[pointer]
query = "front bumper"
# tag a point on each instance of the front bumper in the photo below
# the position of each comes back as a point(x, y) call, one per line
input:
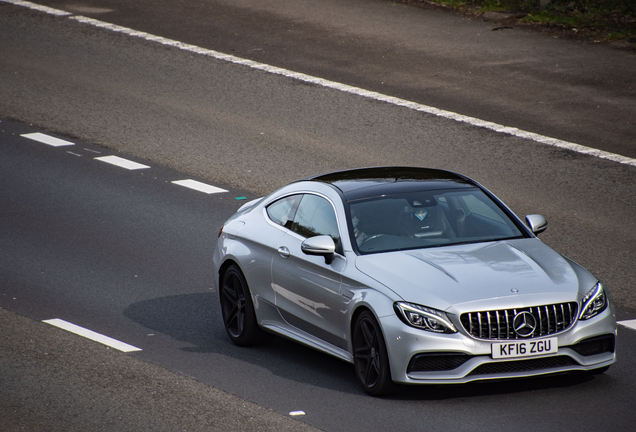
point(421, 357)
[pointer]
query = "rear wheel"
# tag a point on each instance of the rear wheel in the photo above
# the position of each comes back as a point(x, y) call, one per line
point(238, 310)
point(371, 360)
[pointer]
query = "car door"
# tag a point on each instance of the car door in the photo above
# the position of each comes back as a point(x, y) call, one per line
point(307, 288)
point(260, 236)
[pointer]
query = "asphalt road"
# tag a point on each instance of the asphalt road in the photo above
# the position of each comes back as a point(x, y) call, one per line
point(563, 89)
point(56, 381)
point(250, 131)
point(127, 254)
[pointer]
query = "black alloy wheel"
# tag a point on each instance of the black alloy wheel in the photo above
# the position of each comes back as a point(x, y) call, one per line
point(371, 360)
point(238, 310)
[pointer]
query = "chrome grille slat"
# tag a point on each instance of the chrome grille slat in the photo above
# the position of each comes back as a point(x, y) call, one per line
point(534, 313)
point(563, 317)
point(507, 327)
point(498, 325)
point(479, 320)
point(550, 319)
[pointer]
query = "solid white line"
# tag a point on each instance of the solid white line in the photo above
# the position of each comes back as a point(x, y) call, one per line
point(46, 139)
point(629, 324)
point(121, 162)
point(89, 334)
point(364, 93)
point(38, 7)
point(198, 186)
point(356, 91)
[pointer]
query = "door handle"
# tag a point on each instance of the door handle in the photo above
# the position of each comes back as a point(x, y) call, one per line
point(283, 251)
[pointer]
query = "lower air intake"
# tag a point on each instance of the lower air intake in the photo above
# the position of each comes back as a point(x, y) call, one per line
point(507, 367)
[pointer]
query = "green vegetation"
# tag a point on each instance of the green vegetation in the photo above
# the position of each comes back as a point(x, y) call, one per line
point(607, 20)
point(497, 5)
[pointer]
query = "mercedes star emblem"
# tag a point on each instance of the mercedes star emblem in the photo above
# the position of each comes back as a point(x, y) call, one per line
point(524, 324)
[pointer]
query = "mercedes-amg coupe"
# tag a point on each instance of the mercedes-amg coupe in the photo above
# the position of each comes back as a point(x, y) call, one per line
point(416, 276)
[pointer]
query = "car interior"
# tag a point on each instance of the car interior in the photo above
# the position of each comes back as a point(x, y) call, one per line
point(428, 219)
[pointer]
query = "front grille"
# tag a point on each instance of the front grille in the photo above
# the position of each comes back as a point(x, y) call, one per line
point(506, 367)
point(437, 362)
point(498, 324)
point(596, 345)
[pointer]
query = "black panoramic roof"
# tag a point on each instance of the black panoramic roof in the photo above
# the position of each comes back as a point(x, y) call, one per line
point(371, 182)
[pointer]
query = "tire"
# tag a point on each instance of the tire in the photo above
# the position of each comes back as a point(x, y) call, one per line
point(370, 357)
point(237, 310)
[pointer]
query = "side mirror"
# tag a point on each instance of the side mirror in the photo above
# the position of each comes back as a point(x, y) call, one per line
point(537, 223)
point(320, 245)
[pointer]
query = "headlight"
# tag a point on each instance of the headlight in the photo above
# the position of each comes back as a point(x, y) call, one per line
point(424, 318)
point(593, 303)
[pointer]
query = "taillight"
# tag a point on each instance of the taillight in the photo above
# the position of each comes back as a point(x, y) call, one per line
point(220, 232)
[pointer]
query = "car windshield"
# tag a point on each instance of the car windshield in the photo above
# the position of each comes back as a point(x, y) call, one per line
point(428, 219)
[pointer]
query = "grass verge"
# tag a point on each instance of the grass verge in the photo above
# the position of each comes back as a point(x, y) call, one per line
point(593, 20)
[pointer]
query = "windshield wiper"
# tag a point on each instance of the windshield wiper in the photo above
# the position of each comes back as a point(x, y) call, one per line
point(483, 241)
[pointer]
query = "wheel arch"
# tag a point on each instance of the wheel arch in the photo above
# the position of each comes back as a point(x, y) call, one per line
point(382, 306)
point(356, 313)
point(384, 384)
point(223, 268)
point(359, 309)
point(226, 264)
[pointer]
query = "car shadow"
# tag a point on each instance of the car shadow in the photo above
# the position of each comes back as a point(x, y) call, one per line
point(490, 388)
point(191, 318)
point(196, 320)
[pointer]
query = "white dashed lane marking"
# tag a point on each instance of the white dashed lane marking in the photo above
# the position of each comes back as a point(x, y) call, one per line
point(630, 324)
point(198, 186)
point(89, 334)
point(121, 162)
point(46, 139)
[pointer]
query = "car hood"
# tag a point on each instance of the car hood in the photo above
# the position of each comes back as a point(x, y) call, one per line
point(513, 273)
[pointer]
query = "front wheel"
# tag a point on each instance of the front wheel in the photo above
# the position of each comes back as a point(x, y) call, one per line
point(370, 357)
point(238, 310)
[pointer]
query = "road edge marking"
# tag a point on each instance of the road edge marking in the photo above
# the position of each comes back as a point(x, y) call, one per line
point(37, 7)
point(495, 127)
point(554, 142)
point(89, 334)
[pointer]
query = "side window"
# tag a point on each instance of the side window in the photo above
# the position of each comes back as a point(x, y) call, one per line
point(316, 216)
point(477, 206)
point(282, 211)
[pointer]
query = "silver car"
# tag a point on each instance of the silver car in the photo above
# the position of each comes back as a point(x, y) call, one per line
point(416, 276)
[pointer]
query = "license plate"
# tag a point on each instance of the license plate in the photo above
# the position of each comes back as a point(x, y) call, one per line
point(529, 348)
